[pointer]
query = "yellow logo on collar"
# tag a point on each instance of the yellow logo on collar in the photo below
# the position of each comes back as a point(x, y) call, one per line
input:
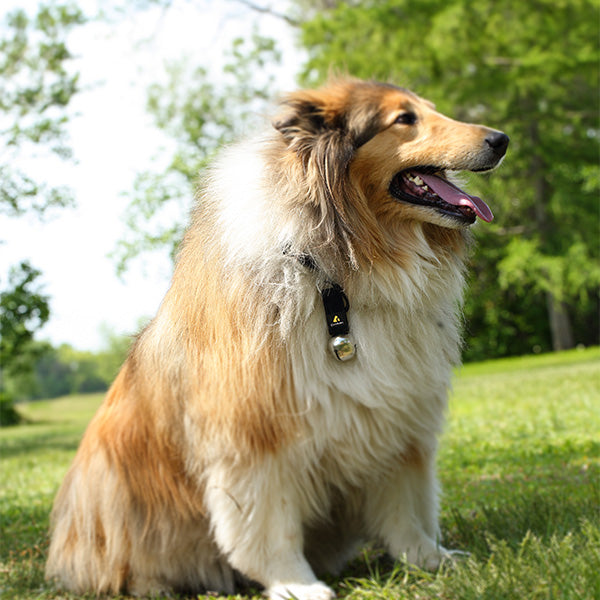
point(336, 319)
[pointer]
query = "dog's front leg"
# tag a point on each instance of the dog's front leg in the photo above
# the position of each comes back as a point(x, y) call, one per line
point(402, 512)
point(257, 524)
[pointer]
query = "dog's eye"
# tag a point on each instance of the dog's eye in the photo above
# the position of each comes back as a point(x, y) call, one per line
point(406, 118)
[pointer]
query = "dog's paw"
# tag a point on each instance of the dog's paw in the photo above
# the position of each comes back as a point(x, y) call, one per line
point(299, 591)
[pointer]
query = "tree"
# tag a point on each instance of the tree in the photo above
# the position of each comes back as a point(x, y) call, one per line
point(51, 372)
point(532, 70)
point(23, 310)
point(35, 88)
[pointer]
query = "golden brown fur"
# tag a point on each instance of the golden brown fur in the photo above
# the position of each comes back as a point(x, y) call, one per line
point(232, 444)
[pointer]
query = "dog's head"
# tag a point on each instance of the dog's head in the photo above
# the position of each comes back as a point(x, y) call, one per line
point(379, 154)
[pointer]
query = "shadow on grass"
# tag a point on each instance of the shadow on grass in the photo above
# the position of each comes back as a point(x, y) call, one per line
point(544, 516)
point(41, 443)
point(548, 493)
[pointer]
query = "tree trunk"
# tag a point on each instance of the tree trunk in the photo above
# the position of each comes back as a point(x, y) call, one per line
point(558, 316)
point(560, 324)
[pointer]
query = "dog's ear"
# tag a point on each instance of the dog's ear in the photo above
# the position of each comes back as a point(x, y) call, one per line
point(302, 115)
point(313, 125)
point(348, 110)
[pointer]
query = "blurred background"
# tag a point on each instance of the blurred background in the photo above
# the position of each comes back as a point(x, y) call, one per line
point(110, 111)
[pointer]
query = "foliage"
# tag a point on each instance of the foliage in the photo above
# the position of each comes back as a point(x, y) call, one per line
point(65, 370)
point(23, 309)
point(519, 468)
point(9, 415)
point(201, 116)
point(531, 70)
point(35, 88)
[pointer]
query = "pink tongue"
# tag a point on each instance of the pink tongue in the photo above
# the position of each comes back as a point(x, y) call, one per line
point(453, 195)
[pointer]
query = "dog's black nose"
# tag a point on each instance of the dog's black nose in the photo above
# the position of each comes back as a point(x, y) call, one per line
point(498, 141)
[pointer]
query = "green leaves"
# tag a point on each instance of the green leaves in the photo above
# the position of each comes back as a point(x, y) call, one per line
point(569, 275)
point(35, 87)
point(36, 84)
point(23, 309)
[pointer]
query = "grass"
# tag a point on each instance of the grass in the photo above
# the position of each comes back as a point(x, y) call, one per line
point(519, 465)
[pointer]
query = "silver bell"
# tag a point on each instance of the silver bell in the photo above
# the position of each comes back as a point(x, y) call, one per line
point(343, 347)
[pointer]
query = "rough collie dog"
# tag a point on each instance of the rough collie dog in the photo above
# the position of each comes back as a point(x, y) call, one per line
point(284, 405)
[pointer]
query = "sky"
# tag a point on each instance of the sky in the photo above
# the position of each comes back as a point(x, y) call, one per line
point(113, 138)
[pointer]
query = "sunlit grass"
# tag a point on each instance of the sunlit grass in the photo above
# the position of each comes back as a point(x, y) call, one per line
point(519, 464)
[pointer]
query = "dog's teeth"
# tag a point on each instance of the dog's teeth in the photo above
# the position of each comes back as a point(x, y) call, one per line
point(418, 182)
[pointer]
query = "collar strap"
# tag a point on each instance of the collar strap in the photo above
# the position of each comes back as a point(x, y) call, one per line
point(336, 305)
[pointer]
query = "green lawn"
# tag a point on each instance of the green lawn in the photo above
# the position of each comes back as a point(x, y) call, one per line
point(519, 464)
